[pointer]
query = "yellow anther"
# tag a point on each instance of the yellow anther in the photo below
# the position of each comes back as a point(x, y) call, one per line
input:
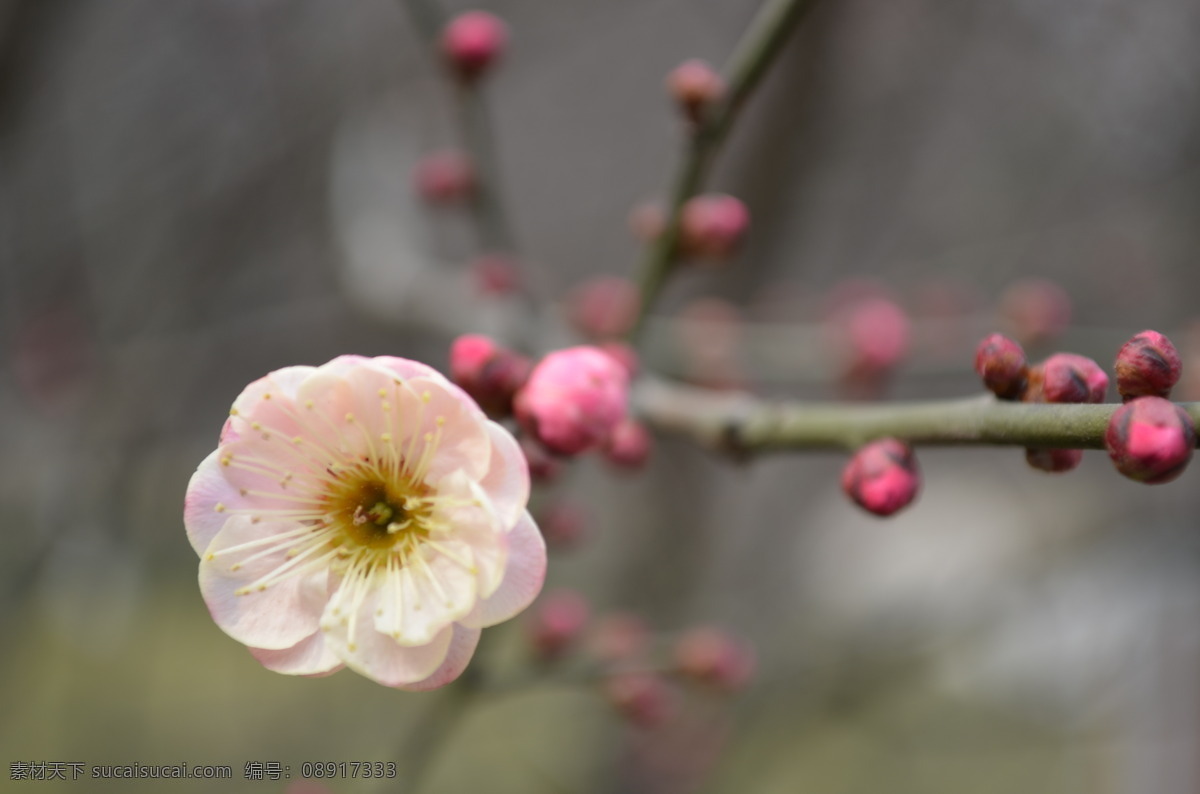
point(308, 404)
point(225, 461)
point(255, 426)
point(426, 396)
point(441, 421)
point(349, 417)
point(383, 392)
point(233, 412)
point(266, 395)
point(220, 507)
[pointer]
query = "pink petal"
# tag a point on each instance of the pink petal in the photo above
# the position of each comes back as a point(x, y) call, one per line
point(404, 368)
point(280, 616)
point(209, 496)
point(523, 577)
point(462, 648)
point(309, 657)
point(507, 478)
point(280, 385)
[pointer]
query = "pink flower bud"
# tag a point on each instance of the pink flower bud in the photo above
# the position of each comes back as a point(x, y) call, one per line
point(1148, 364)
point(1150, 439)
point(878, 332)
point(629, 445)
point(713, 225)
point(491, 374)
point(1054, 460)
point(695, 87)
point(642, 698)
point(604, 307)
point(496, 274)
point(647, 220)
point(1001, 363)
point(882, 477)
point(1068, 378)
point(557, 621)
point(1038, 309)
point(445, 177)
point(573, 400)
point(619, 637)
point(472, 41)
point(563, 524)
point(714, 657)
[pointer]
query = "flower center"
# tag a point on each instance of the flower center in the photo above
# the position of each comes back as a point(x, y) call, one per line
point(375, 514)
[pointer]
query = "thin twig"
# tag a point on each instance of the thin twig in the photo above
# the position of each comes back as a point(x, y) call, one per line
point(753, 55)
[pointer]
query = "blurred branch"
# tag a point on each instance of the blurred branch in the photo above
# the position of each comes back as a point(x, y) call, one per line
point(752, 56)
point(740, 424)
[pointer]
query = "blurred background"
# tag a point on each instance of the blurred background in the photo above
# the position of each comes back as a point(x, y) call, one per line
point(198, 192)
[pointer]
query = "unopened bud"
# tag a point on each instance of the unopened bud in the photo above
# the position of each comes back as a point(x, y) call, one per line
point(619, 637)
point(1054, 460)
point(882, 477)
point(445, 177)
point(629, 445)
point(1150, 439)
point(714, 657)
point(642, 698)
point(557, 621)
point(1001, 363)
point(695, 87)
point(713, 225)
point(1068, 378)
point(1148, 364)
point(604, 307)
point(1038, 309)
point(496, 274)
point(573, 399)
point(472, 42)
point(491, 374)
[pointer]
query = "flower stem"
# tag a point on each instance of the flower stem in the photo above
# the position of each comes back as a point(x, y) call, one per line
point(751, 58)
point(740, 424)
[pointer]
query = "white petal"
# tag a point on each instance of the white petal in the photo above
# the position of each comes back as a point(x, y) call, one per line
point(523, 577)
point(413, 603)
point(309, 657)
point(278, 617)
point(462, 648)
point(379, 657)
point(507, 478)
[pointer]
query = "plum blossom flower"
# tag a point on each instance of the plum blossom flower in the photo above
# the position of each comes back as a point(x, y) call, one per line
point(364, 513)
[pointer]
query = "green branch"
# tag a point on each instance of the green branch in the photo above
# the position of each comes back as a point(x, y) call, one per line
point(741, 424)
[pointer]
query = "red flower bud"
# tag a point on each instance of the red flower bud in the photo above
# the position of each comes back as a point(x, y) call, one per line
point(1054, 460)
point(643, 698)
point(472, 41)
point(557, 622)
point(713, 225)
point(1148, 364)
point(619, 637)
point(1068, 378)
point(716, 658)
point(1038, 309)
point(604, 307)
point(629, 445)
point(1001, 363)
point(491, 374)
point(1150, 439)
point(882, 477)
point(695, 87)
point(444, 177)
point(496, 274)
